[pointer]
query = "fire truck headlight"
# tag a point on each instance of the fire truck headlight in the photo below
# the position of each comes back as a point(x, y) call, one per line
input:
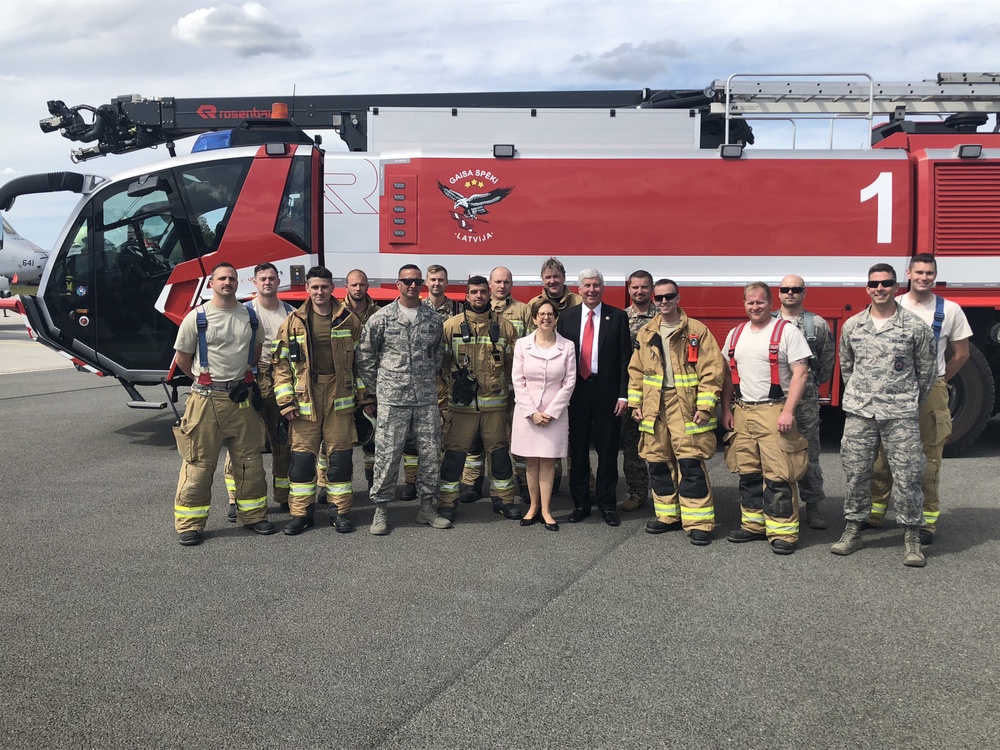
point(995, 333)
point(969, 151)
point(731, 150)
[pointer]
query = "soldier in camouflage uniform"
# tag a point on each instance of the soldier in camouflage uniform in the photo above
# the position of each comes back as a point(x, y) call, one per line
point(640, 312)
point(792, 294)
point(444, 307)
point(399, 360)
point(518, 315)
point(888, 361)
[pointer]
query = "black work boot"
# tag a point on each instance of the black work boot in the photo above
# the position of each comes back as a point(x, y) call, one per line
point(298, 524)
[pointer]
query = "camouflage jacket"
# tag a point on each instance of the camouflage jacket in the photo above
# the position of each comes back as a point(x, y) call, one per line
point(400, 361)
point(887, 373)
point(822, 345)
point(637, 320)
point(447, 308)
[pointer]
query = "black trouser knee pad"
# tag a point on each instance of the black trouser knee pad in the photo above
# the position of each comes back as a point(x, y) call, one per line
point(477, 444)
point(500, 461)
point(694, 483)
point(303, 468)
point(778, 499)
point(660, 479)
point(452, 465)
point(752, 491)
point(340, 466)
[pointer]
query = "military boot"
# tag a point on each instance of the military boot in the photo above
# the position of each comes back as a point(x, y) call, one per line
point(380, 523)
point(913, 558)
point(814, 520)
point(409, 492)
point(427, 515)
point(850, 541)
point(633, 502)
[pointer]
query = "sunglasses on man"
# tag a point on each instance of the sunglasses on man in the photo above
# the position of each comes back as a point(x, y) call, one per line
point(410, 282)
point(791, 289)
point(884, 283)
point(665, 297)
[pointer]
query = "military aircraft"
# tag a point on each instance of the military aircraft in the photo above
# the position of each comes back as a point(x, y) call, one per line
point(21, 261)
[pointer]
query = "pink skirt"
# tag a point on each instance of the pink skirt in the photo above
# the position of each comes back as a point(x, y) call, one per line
point(528, 440)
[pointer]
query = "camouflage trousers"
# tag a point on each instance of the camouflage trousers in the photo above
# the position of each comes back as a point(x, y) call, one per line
point(633, 467)
point(935, 428)
point(807, 421)
point(395, 423)
point(858, 450)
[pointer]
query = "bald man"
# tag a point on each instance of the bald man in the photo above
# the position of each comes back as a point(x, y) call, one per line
point(792, 295)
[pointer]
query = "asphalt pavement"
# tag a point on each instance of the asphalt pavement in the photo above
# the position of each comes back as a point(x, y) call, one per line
point(488, 635)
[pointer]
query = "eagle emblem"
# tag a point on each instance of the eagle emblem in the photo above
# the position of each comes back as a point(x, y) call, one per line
point(473, 207)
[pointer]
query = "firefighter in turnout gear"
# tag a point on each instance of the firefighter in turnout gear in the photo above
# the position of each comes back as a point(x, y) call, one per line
point(675, 377)
point(359, 302)
point(792, 294)
point(477, 365)
point(519, 315)
point(220, 410)
point(316, 389)
point(768, 366)
point(640, 312)
point(271, 313)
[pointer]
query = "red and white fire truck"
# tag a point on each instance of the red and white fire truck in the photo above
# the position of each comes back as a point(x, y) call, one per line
point(666, 181)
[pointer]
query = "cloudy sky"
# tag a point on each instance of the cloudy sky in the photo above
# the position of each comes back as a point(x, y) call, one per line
point(89, 52)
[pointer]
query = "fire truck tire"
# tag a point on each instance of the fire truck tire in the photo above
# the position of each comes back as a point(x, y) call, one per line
point(970, 401)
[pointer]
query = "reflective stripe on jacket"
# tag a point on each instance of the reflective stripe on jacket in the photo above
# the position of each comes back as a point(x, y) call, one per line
point(698, 384)
point(293, 381)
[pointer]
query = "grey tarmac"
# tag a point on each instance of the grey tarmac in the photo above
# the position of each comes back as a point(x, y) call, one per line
point(490, 635)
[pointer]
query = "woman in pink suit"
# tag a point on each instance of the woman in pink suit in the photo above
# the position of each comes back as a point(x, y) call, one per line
point(544, 377)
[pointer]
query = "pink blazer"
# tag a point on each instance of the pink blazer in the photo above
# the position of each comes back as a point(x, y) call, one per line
point(544, 379)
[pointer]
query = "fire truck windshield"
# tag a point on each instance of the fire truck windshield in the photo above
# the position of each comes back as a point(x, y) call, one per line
point(102, 290)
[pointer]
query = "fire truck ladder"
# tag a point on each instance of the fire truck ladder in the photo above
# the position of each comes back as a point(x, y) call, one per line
point(828, 95)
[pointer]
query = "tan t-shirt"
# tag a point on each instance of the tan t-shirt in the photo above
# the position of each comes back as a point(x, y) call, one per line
point(666, 331)
point(322, 353)
point(270, 322)
point(228, 339)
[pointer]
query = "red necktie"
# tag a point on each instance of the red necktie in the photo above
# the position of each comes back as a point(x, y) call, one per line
point(587, 346)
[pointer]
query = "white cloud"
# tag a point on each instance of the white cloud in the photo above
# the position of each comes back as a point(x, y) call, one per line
point(9, 172)
point(244, 29)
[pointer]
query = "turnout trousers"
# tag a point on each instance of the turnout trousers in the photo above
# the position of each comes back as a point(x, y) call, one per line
point(395, 424)
point(494, 428)
point(769, 463)
point(858, 450)
point(935, 427)
point(633, 465)
point(281, 454)
point(211, 420)
point(334, 431)
point(676, 463)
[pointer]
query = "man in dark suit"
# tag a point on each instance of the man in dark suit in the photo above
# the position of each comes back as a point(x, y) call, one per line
point(600, 334)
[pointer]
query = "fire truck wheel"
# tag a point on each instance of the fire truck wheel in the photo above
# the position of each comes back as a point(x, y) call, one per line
point(971, 402)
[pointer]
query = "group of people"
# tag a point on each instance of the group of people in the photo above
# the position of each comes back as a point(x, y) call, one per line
point(453, 388)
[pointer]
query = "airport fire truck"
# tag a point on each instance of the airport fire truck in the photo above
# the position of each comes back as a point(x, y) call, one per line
point(667, 181)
